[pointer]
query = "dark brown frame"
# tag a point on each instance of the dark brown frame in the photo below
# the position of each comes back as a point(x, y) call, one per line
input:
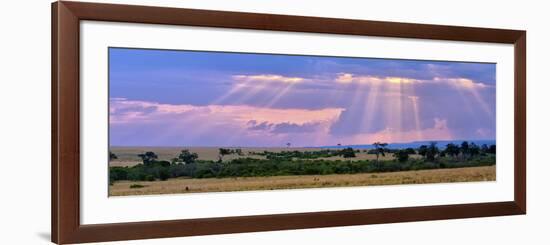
point(66, 227)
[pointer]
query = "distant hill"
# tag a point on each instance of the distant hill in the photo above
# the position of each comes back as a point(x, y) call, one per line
point(414, 144)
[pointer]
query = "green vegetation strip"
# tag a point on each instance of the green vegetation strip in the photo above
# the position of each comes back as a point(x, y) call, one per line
point(303, 163)
point(248, 167)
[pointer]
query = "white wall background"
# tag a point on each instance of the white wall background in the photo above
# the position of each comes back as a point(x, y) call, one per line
point(25, 121)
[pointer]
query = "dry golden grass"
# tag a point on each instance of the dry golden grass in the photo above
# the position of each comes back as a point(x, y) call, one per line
point(127, 156)
point(182, 185)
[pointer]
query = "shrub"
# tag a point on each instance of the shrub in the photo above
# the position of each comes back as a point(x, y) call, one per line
point(246, 167)
point(402, 155)
point(348, 152)
point(136, 186)
point(118, 173)
point(187, 157)
point(164, 174)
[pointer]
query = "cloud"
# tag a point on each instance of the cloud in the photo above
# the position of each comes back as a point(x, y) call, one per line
point(344, 78)
point(439, 131)
point(484, 133)
point(351, 78)
point(296, 128)
point(231, 125)
point(198, 98)
point(461, 83)
point(253, 125)
point(117, 99)
point(286, 127)
point(216, 125)
point(129, 111)
point(456, 82)
point(122, 110)
point(268, 78)
point(440, 124)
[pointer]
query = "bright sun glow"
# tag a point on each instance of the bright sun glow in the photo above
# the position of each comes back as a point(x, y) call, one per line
point(268, 78)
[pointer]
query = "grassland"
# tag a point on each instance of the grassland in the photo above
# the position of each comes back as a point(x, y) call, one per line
point(165, 170)
point(189, 185)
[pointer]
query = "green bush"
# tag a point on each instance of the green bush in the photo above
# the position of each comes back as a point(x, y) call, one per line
point(248, 167)
point(402, 155)
point(164, 174)
point(118, 173)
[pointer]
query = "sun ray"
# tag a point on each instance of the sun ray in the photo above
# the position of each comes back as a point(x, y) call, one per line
point(370, 105)
point(398, 110)
point(473, 89)
point(278, 94)
point(468, 103)
point(481, 102)
point(250, 87)
point(234, 89)
point(414, 102)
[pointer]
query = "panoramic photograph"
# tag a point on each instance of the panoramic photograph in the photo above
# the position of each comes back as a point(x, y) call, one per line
point(205, 121)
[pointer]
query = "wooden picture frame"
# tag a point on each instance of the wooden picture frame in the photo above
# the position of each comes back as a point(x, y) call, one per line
point(66, 226)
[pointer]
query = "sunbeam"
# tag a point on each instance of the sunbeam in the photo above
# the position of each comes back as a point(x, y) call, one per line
point(278, 94)
point(473, 89)
point(371, 103)
point(414, 102)
point(243, 99)
point(484, 106)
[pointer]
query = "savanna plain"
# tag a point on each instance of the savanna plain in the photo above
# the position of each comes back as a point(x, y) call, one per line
point(169, 170)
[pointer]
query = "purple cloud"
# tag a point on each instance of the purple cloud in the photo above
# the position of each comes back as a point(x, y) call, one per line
point(214, 98)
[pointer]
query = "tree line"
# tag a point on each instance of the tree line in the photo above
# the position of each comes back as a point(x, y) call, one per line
point(186, 163)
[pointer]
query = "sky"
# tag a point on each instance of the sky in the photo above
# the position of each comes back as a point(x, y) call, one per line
point(195, 98)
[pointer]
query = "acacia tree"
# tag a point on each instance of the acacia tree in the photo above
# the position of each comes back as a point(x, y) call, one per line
point(380, 149)
point(223, 152)
point(348, 153)
point(423, 150)
point(112, 156)
point(187, 157)
point(402, 155)
point(452, 150)
point(148, 157)
point(474, 149)
point(432, 151)
point(464, 149)
point(239, 152)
